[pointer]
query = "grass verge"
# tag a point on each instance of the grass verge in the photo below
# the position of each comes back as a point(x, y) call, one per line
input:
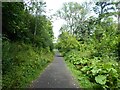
point(22, 63)
point(82, 80)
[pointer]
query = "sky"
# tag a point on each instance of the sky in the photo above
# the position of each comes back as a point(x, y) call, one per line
point(55, 5)
point(52, 7)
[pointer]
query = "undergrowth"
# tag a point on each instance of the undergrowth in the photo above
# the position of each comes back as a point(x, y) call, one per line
point(94, 72)
point(22, 63)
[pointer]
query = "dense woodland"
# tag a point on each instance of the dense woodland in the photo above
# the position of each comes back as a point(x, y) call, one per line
point(91, 44)
point(27, 42)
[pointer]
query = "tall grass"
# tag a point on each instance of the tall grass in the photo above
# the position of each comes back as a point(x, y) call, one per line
point(22, 63)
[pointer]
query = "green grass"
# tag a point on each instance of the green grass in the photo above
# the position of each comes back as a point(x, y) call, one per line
point(22, 64)
point(82, 80)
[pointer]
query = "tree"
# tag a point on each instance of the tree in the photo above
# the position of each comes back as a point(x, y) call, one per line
point(75, 16)
point(105, 9)
point(67, 42)
point(20, 25)
point(12, 20)
point(72, 13)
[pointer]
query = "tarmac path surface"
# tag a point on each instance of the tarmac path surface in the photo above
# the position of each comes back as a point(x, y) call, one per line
point(56, 75)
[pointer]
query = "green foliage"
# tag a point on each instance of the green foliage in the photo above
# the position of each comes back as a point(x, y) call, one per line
point(96, 57)
point(98, 70)
point(12, 21)
point(27, 43)
point(20, 25)
point(96, 42)
point(22, 63)
point(100, 79)
point(67, 42)
point(74, 14)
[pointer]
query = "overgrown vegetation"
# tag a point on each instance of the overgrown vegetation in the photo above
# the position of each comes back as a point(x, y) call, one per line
point(26, 43)
point(90, 45)
point(22, 63)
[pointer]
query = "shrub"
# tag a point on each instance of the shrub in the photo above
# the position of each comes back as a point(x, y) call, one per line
point(103, 73)
point(22, 63)
point(67, 42)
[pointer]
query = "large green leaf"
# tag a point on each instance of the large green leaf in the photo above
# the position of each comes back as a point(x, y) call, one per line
point(101, 79)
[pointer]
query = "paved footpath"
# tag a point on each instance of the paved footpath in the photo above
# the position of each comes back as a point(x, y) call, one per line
point(56, 75)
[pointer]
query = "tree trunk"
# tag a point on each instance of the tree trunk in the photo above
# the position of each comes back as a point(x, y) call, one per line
point(118, 6)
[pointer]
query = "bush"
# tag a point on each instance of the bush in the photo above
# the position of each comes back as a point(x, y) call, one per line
point(22, 63)
point(102, 72)
point(67, 42)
